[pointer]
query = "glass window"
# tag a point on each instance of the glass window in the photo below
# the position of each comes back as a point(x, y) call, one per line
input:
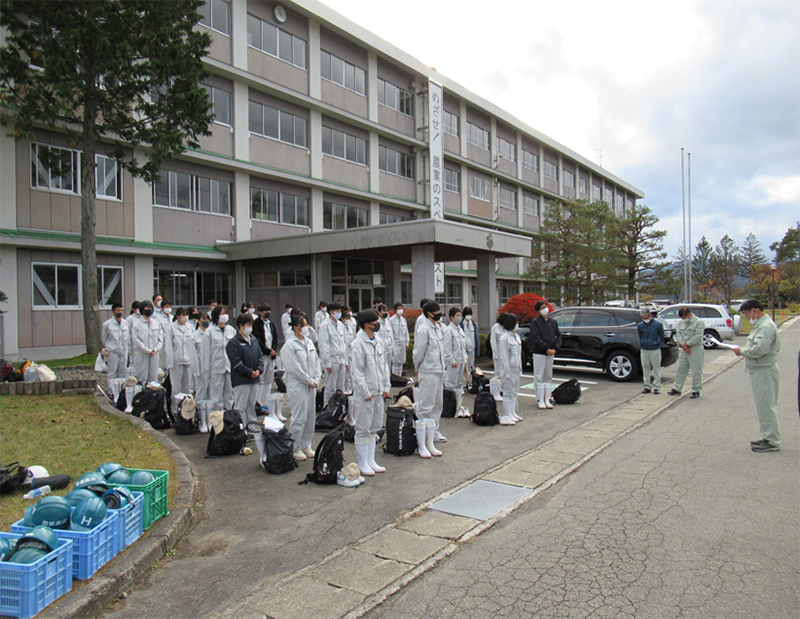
point(530, 206)
point(450, 123)
point(594, 319)
point(452, 180)
point(256, 117)
point(477, 136)
point(109, 283)
point(550, 170)
point(583, 185)
point(108, 178)
point(507, 149)
point(395, 162)
point(507, 198)
point(276, 42)
point(569, 179)
point(56, 285)
point(343, 73)
point(220, 104)
point(215, 14)
point(530, 161)
point(342, 217)
point(54, 168)
point(479, 189)
point(270, 38)
point(395, 97)
point(254, 32)
point(271, 122)
point(565, 318)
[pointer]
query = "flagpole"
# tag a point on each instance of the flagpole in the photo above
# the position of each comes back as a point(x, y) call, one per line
point(683, 203)
point(689, 217)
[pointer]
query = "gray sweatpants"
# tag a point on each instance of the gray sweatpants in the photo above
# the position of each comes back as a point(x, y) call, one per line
point(368, 417)
point(651, 362)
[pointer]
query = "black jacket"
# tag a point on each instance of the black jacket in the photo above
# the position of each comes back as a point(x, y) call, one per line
point(245, 359)
point(544, 335)
point(260, 334)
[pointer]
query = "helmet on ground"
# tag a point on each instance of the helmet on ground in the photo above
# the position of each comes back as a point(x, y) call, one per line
point(27, 555)
point(27, 519)
point(34, 472)
point(41, 537)
point(120, 476)
point(51, 511)
point(109, 467)
point(93, 481)
point(6, 548)
point(76, 496)
point(88, 514)
point(142, 478)
point(116, 499)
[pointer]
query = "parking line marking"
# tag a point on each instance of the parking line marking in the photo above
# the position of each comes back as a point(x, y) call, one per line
point(557, 380)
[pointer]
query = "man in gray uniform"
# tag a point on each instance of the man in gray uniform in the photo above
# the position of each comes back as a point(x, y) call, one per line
point(689, 335)
point(761, 362)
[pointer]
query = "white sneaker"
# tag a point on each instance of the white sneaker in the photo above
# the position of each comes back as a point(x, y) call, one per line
point(505, 420)
point(300, 456)
point(347, 483)
point(309, 452)
point(438, 437)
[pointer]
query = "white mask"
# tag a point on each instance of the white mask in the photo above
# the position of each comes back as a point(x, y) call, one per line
point(167, 310)
point(324, 310)
point(223, 319)
point(158, 303)
point(468, 318)
point(304, 331)
point(248, 331)
point(544, 312)
point(457, 319)
point(183, 320)
point(337, 315)
point(647, 320)
point(399, 311)
point(251, 310)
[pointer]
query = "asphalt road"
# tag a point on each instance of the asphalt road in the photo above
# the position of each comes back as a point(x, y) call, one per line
point(677, 519)
point(256, 528)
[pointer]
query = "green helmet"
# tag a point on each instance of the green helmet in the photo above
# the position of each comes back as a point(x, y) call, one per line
point(7, 548)
point(109, 467)
point(27, 555)
point(93, 481)
point(41, 537)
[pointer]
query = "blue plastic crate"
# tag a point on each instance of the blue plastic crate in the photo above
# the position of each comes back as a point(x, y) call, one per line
point(26, 589)
point(130, 521)
point(91, 549)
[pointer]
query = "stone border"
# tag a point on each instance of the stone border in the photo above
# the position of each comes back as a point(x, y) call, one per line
point(52, 387)
point(129, 568)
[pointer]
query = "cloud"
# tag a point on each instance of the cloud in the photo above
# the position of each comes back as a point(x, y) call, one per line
point(498, 81)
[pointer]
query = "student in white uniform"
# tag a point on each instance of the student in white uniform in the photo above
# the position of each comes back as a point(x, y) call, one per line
point(332, 340)
point(421, 318)
point(116, 339)
point(510, 360)
point(429, 364)
point(148, 340)
point(471, 338)
point(133, 316)
point(215, 359)
point(201, 373)
point(321, 316)
point(370, 387)
point(495, 335)
point(302, 379)
point(181, 355)
point(400, 339)
point(163, 316)
point(385, 335)
point(286, 322)
point(455, 355)
point(350, 330)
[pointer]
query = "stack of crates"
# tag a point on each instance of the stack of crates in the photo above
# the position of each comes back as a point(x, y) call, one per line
point(155, 496)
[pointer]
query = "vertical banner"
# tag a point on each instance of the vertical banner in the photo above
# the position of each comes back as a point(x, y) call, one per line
point(438, 276)
point(436, 150)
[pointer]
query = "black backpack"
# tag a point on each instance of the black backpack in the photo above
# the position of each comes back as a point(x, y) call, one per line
point(232, 438)
point(12, 476)
point(568, 392)
point(279, 384)
point(448, 403)
point(278, 451)
point(182, 424)
point(407, 392)
point(477, 383)
point(484, 412)
point(320, 399)
point(397, 381)
point(332, 416)
point(401, 438)
point(328, 459)
point(149, 404)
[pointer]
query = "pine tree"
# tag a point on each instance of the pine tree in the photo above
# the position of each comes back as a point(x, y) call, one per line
point(726, 265)
point(640, 247)
point(702, 269)
point(752, 256)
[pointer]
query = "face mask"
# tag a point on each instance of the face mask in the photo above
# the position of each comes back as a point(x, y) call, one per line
point(304, 331)
point(647, 320)
point(337, 315)
point(205, 324)
point(137, 312)
point(399, 311)
point(457, 320)
point(195, 316)
point(148, 312)
point(323, 309)
point(251, 310)
point(248, 330)
point(467, 318)
point(223, 319)
point(544, 312)
point(167, 310)
point(266, 315)
point(183, 320)
point(118, 315)
point(437, 316)
point(158, 303)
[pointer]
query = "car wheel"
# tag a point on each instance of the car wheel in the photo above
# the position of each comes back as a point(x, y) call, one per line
point(708, 339)
point(621, 366)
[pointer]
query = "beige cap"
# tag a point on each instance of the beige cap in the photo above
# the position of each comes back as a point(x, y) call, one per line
point(216, 421)
point(131, 381)
point(351, 471)
point(188, 407)
point(405, 402)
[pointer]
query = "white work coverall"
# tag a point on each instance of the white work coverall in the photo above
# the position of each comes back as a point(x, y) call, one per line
point(164, 321)
point(181, 359)
point(509, 359)
point(218, 366)
point(370, 379)
point(286, 326)
point(302, 371)
point(116, 338)
point(470, 327)
point(455, 351)
point(400, 343)
point(130, 319)
point(386, 337)
point(319, 318)
point(350, 330)
point(147, 336)
point(332, 341)
point(496, 334)
point(200, 377)
point(429, 363)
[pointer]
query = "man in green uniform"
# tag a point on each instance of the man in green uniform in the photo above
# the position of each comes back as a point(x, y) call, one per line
point(761, 362)
point(689, 335)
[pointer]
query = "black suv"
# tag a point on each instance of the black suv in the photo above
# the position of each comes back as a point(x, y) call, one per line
point(601, 337)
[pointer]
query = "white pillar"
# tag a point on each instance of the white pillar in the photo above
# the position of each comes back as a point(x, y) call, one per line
point(241, 126)
point(487, 292)
point(142, 208)
point(315, 208)
point(314, 86)
point(315, 143)
point(239, 34)
point(241, 206)
point(423, 285)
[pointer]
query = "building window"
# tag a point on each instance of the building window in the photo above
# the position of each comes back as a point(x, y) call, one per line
point(596, 193)
point(569, 179)
point(187, 288)
point(395, 162)
point(341, 72)
point(550, 170)
point(609, 197)
point(453, 291)
point(452, 180)
point(284, 208)
point(390, 218)
point(55, 169)
point(477, 136)
point(109, 284)
point(507, 198)
point(506, 290)
point(267, 279)
point(583, 185)
point(450, 123)
point(396, 98)
point(220, 104)
point(215, 14)
point(300, 277)
point(343, 217)
point(530, 206)
point(56, 286)
point(197, 193)
point(405, 293)
point(108, 178)
point(173, 189)
point(479, 189)
point(276, 42)
point(507, 150)
point(278, 125)
point(344, 146)
point(294, 210)
point(213, 196)
point(629, 206)
point(530, 161)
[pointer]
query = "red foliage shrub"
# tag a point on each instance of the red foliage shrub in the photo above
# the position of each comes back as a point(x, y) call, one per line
point(521, 305)
point(411, 316)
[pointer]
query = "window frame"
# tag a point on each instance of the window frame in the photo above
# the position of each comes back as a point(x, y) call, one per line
point(101, 288)
point(568, 179)
point(345, 135)
point(212, 90)
point(449, 186)
point(56, 306)
point(476, 141)
point(384, 218)
point(500, 201)
point(583, 185)
point(402, 159)
point(359, 210)
point(484, 184)
point(210, 4)
point(534, 160)
point(447, 125)
point(525, 210)
point(117, 174)
point(550, 170)
point(507, 149)
point(403, 98)
point(279, 125)
point(278, 31)
point(356, 73)
point(75, 156)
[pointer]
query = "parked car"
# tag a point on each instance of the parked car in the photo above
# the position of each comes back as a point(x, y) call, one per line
point(719, 324)
point(736, 304)
point(601, 337)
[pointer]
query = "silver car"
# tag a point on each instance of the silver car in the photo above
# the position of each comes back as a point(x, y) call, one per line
point(718, 322)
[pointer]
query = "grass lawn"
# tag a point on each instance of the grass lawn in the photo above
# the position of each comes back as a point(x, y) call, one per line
point(84, 359)
point(70, 435)
point(779, 318)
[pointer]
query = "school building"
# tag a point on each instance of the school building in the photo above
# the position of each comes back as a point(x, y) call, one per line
point(338, 168)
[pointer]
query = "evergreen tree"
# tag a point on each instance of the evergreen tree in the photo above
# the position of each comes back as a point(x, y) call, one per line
point(702, 269)
point(112, 75)
point(640, 248)
point(726, 265)
point(751, 256)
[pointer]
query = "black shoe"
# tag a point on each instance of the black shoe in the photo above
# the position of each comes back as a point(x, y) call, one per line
point(765, 446)
point(758, 442)
point(673, 392)
point(656, 391)
point(646, 390)
point(695, 394)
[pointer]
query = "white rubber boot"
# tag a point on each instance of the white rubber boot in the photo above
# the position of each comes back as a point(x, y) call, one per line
point(430, 433)
point(371, 453)
point(362, 458)
point(540, 397)
point(507, 418)
point(421, 427)
point(277, 401)
point(548, 390)
point(494, 389)
point(514, 410)
point(202, 413)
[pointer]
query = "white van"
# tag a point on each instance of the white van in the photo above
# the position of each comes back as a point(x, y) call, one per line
point(718, 322)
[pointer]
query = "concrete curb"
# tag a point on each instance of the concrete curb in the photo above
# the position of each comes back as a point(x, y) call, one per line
point(129, 568)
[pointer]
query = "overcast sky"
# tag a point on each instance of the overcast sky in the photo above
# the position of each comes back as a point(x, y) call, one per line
point(638, 80)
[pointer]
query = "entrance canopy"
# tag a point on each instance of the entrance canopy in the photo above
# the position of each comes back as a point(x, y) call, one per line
point(451, 242)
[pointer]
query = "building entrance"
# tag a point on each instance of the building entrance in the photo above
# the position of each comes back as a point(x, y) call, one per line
point(357, 282)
